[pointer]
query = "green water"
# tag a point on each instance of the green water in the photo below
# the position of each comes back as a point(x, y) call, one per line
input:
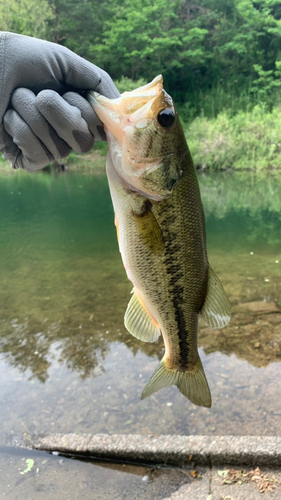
point(67, 363)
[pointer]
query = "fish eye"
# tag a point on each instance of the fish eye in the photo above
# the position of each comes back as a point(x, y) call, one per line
point(166, 118)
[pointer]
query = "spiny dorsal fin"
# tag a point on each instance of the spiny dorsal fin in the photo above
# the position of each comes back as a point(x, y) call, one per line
point(216, 311)
point(139, 322)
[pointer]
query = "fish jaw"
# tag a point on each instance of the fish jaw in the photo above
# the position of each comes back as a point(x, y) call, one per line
point(147, 154)
point(115, 113)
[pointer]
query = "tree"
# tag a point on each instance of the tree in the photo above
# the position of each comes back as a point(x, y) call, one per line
point(79, 24)
point(144, 38)
point(27, 17)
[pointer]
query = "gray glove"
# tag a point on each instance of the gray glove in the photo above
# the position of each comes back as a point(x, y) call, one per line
point(43, 114)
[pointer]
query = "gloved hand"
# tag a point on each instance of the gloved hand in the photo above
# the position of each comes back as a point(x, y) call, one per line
point(43, 115)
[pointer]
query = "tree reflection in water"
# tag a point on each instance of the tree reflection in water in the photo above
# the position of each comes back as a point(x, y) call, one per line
point(64, 290)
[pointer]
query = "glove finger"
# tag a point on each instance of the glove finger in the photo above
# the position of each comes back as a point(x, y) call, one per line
point(32, 154)
point(106, 86)
point(66, 120)
point(78, 73)
point(24, 102)
point(87, 112)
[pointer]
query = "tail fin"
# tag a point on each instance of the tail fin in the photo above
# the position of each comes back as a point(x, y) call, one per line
point(192, 384)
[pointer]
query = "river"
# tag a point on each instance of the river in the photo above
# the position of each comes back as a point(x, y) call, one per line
point(67, 364)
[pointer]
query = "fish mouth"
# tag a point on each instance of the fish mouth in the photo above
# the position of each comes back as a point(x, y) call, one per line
point(135, 108)
point(128, 102)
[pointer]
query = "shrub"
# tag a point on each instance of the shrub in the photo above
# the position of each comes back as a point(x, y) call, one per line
point(248, 140)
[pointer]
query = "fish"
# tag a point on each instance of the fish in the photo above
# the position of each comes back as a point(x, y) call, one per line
point(161, 233)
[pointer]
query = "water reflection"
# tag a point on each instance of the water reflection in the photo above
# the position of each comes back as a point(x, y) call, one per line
point(64, 292)
point(82, 348)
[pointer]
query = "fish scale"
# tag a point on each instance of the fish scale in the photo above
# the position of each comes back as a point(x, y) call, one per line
point(187, 279)
point(161, 234)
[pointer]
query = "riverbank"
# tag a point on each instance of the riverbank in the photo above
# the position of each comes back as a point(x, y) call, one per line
point(249, 140)
point(92, 162)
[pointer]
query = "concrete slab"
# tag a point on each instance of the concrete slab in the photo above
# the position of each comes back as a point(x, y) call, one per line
point(173, 450)
point(195, 490)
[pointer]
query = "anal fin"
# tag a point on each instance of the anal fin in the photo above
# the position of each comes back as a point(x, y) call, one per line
point(216, 311)
point(139, 322)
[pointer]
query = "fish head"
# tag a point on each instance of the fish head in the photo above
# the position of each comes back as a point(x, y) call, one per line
point(144, 135)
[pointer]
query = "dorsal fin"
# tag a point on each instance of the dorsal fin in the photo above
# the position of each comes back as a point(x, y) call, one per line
point(139, 322)
point(216, 311)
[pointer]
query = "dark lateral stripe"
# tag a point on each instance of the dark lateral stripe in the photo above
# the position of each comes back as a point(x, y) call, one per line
point(174, 271)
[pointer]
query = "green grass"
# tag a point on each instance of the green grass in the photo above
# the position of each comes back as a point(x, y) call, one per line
point(228, 97)
point(247, 140)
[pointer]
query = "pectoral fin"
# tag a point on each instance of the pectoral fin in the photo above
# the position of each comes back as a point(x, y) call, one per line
point(148, 229)
point(139, 322)
point(216, 311)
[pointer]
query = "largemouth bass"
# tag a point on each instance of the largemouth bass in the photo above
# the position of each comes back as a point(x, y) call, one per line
point(161, 232)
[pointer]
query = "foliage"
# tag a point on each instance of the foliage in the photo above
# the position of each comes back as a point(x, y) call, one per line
point(267, 81)
point(165, 44)
point(78, 24)
point(210, 52)
point(126, 84)
point(27, 17)
point(248, 140)
point(228, 97)
point(197, 47)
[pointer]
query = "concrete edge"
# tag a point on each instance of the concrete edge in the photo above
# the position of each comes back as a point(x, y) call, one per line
point(170, 450)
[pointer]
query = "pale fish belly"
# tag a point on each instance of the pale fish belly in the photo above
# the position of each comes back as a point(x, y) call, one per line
point(144, 268)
